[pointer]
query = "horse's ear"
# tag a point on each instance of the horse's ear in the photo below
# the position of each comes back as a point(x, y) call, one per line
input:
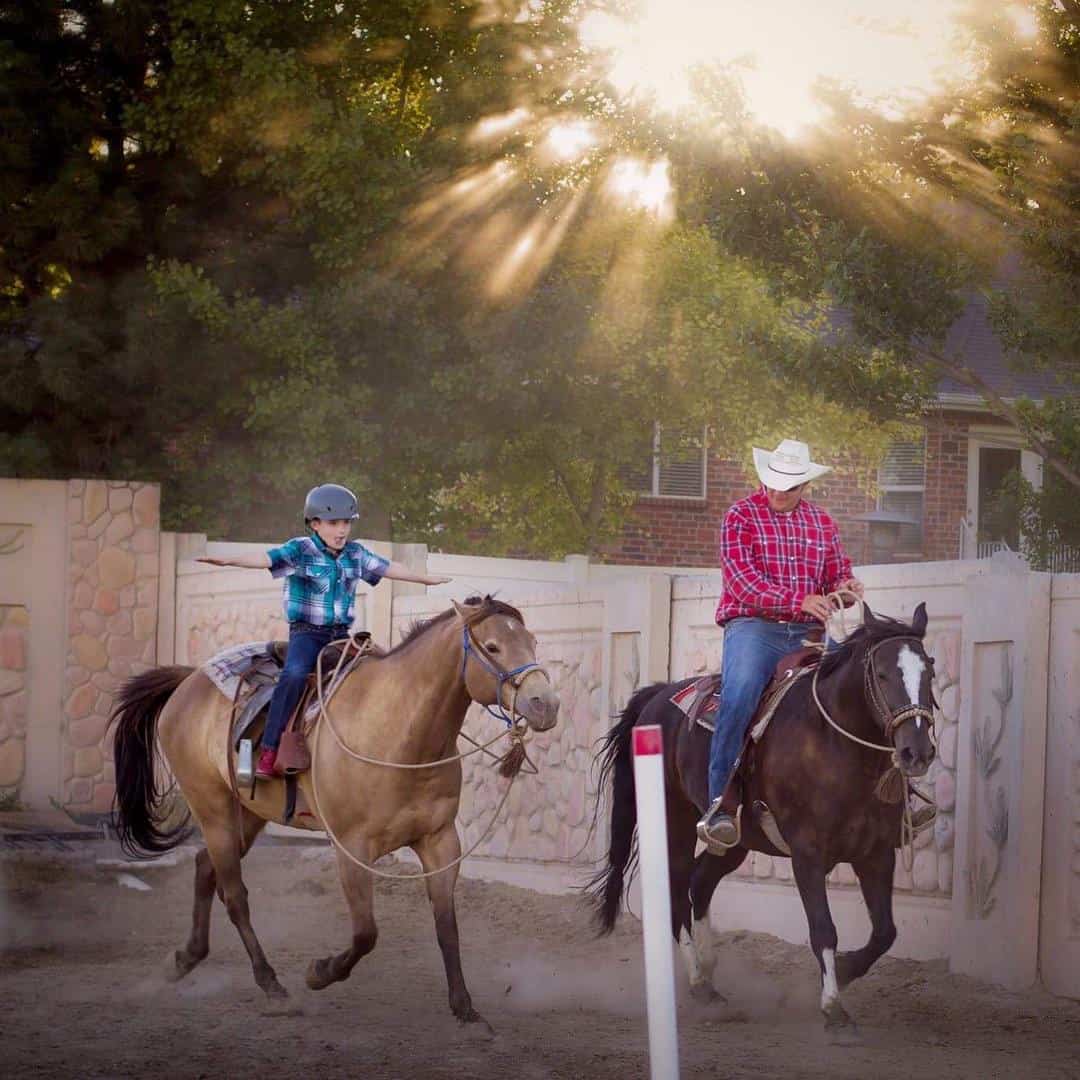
point(461, 609)
point(869, 618)
point(918, 620)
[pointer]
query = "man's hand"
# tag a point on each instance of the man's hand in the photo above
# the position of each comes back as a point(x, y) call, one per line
point(817, 606)
point(853, 585)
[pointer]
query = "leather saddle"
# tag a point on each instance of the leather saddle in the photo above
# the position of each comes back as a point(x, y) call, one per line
point(700, 700)
point(265, 671)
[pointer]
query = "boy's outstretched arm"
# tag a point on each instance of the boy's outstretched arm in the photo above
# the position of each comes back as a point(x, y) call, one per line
point(400, 572)
point(247, 562)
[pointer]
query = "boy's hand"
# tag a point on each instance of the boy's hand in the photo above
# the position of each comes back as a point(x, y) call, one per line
point(437, 580)
point(212, 561)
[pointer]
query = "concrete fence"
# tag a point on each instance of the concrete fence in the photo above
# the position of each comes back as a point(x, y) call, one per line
point(92, 591)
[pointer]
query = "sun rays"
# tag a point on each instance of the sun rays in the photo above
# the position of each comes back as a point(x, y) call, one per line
point(561, 154)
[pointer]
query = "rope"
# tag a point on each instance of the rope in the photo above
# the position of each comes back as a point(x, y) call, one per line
point(369, 867)
point(907, 828)
point(517, 734)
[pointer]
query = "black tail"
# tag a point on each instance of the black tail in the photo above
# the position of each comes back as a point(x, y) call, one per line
point(138, 797)
point(605, 890)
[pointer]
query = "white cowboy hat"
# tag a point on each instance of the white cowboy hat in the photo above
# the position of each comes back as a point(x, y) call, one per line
point(787, 466)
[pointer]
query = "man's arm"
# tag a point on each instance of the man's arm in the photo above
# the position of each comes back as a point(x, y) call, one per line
point(247, 562)
point(400, 572)
point(838, 566)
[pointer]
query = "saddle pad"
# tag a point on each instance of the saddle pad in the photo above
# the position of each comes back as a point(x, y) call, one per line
point(685, 698)
point(775, 692)
point(226, 667)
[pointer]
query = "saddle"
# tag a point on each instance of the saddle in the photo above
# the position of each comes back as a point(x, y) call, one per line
point(258, 680)
point(700, 699)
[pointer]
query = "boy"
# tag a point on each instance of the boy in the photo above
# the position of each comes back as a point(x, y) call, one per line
point(322, 570)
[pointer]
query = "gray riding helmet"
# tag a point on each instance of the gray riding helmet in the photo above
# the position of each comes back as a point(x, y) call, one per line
point(330, 501)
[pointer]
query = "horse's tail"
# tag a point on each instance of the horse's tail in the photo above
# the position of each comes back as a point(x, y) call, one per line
point(606, 889)
point(139, 818)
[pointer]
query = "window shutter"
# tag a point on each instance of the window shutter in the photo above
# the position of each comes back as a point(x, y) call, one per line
point(683, 476)
point(904, 466)
point(682, 470)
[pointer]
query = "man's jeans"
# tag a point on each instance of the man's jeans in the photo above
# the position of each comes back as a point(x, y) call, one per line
point(306, 641)
point(752, 649)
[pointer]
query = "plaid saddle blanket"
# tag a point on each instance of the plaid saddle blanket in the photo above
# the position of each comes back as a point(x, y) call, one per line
point(226, 668)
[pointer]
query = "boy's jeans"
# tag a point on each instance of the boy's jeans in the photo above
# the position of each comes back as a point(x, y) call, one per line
point(752, 649)
point(306, 641)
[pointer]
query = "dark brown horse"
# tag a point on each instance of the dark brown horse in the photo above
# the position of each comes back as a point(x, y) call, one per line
point(820, 785)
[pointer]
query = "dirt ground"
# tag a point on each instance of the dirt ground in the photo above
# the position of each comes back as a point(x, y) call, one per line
point(82, 992)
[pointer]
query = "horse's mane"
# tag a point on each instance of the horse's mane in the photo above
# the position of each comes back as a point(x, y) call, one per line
point(485, 606)
point(881, 629)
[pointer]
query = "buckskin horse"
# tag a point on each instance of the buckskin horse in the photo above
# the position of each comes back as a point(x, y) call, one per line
point(405, 708)
point(819, 768)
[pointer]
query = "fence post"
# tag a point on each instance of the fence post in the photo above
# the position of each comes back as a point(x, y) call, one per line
point(1001, 772)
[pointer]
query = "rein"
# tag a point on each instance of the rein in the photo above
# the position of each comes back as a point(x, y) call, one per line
point(889, 720)
point(513, 762)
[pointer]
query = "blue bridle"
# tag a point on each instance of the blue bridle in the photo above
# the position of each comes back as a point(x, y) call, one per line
point(502, 675)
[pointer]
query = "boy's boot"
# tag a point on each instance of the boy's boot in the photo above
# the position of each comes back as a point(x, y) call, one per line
point(265, 768)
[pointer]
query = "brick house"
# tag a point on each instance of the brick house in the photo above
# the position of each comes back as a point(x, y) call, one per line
point(944, 482)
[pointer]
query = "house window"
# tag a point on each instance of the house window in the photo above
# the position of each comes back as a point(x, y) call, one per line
point(672, 468)
point(902, 488)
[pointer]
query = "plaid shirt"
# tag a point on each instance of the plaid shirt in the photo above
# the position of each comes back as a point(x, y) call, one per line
point(772, 562)
point(319, 588)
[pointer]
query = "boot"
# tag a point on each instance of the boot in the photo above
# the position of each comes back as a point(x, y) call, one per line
point(265, 769)
point(720, 829)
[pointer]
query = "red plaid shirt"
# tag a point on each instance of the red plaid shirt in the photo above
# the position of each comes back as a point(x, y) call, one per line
point(772, 561)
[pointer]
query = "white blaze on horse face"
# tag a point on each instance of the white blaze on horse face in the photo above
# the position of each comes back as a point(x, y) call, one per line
point(911, 668)
point(830, 992)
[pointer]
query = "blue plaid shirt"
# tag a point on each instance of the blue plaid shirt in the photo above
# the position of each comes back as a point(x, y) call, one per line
point(320, 589)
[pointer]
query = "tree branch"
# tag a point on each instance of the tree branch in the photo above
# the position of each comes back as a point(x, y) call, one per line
point(999, 405)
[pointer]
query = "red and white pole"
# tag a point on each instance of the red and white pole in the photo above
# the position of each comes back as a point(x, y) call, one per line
point(648, 746)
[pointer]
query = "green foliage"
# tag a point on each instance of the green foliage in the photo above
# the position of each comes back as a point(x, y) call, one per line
point(248, 245)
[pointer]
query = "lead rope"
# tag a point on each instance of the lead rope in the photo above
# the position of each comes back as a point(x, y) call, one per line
point(517, 734)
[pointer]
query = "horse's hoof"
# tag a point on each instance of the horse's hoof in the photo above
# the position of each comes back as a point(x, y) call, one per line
point(476, 1025)
point(181, 964)
point(278, 1002)
point(837, 1020)
point(319, 976)
point(843, 1034)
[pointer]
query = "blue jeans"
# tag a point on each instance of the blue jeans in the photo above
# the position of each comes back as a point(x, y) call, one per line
point(752, 649)
point(306, 641)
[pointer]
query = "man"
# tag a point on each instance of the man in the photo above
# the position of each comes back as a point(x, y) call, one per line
point(781, 556)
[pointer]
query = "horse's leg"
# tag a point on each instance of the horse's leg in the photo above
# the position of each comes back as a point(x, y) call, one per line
point(706, 875)
point(810, 874)
point(198, 944)
point(359, 888)
point(681, 841)
point(875, 875)
point(437, 850)
point(225, 852)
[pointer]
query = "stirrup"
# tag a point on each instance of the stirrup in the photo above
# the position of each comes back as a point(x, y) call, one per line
point(721, 835)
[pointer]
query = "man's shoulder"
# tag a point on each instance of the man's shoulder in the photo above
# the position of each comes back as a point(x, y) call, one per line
point(746, 506)
point(818, 513)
